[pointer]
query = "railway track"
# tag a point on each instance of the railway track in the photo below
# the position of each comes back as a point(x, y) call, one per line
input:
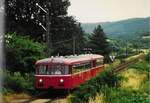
point(47, 97)
point(124, 66)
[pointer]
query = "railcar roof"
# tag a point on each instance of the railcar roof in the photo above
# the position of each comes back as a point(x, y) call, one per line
point(69, 59)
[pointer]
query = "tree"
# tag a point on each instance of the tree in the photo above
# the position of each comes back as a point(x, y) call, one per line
point(22, 53)
point(64, 44)
point(98, 42)
point(25, 18)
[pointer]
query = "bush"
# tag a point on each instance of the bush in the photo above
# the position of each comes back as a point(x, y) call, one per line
point(21, 53)
point(147, 57)
point(123, 56)
point(142, 66)
point(91, 87)
point(105, 83)
point(15, 82)
point(114, 95)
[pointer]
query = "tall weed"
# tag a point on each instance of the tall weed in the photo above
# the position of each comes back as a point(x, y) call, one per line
point(91, 87)
point(142, 66)
point(15, 82)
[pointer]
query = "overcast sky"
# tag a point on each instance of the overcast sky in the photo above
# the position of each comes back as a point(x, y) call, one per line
point(108, 10)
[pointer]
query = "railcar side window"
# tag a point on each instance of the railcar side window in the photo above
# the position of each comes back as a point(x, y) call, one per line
point(88, 65)
point(77, 68)
point(99, 62)
point(80, 67)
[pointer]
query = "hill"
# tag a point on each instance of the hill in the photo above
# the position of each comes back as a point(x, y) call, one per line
point(124, 28)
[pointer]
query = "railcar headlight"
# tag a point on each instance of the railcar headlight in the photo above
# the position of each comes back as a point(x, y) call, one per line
point(61, 80)
point(40, 80)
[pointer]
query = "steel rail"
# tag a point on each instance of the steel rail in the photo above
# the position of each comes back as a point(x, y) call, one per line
point(124, 66)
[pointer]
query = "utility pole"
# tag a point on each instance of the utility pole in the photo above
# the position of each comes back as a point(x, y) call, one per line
point(126, 49)
point(74, 45)
point(48, 33)
point(47, 29)
point(149, 53)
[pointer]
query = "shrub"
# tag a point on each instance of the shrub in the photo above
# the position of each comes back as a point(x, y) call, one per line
point(105, 83)
point(145, 87)
point(15, 82)
point(147, 57)
point(143, 66)
point(21, 53)
point(91, 87)
point(98, 99)
point(114, 95)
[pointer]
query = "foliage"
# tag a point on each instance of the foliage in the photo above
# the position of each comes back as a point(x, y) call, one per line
point(108, 86)
point(22, 53)
point(15, 82)
point(123, 56)
point(25, 18)
point(91, 87)
point(140, 43)
point(98, 42)
point(124, 29)
point(147, 57)
point(114, 95)
point(128, 94)
point(142, 66)
point(145, 87)
point(135, 90)
point(98, 99)
point(22, 14)
point(63, 44)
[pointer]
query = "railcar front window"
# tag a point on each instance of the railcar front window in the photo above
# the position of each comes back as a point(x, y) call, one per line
point(42, 69)
point(53, 70)
point(59, 70)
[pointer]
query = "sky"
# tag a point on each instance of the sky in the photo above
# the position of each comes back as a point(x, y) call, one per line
point(108, 10)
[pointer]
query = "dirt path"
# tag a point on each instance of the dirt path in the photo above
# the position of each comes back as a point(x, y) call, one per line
point(41, 101)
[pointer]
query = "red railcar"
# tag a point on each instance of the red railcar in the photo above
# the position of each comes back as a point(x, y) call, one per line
point(67, 72)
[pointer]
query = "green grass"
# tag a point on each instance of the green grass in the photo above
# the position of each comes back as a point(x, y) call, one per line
point(125, 96)
point(17, 83)
point(91, 87)
point(141, 66)
point(108, 89)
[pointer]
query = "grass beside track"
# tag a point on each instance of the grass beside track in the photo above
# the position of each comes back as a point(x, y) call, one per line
point(132, 86)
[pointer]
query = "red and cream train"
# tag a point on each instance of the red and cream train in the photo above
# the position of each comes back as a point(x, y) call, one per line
point(67, 72)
